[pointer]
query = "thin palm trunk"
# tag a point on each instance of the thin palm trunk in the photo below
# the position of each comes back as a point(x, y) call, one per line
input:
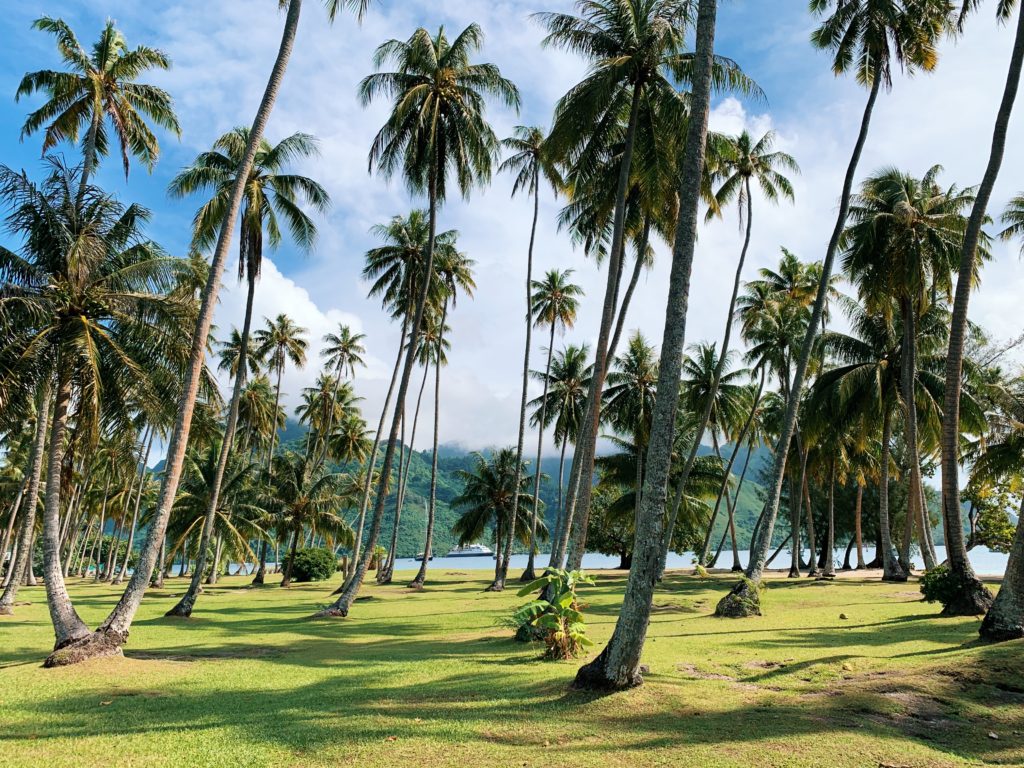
point(286, 580)
point(28, 525)
point(556, 536)
point(9, 531)
point(813, 569)
point(67, 626)
point(716, 381)
point(530, 573)
point(578, 500)
point(627, 297)
point(344, 602)
point(857, 519)
point(891, 569)
point(829, 568)
point(976, 599)
point(113, 633)
point(135, 512)
point(618, 665)
point(744, 598)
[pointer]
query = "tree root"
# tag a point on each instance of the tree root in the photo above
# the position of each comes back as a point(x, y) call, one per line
point(743, 601)
point(595, 676)
point(101, 643)
point(974, 599)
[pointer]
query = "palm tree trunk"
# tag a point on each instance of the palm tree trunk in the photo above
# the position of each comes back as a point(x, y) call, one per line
point(556, 536)
point(421, 575)
point(913, 470)
point(858, 534)
point(812, 540)
point(530, 573)
point(829, 569)
point(974, 598)
point(161, 566)
point(89, 155)
point(28, 525)
point(1005, 619)
point(891, 569)
point(218, 548)
point(368, 480)
point(9, 531)
point(716, 381)
point(286, 580)
point(627, 297)
point(744, 599)
point(113, 633)
point(67, 626)
point(135, 513)
point(344, 602)
point(706, 549)
point(578, 499)
point(618, 665)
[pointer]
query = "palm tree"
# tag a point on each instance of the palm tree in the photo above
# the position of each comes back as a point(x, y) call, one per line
point(279, 341)
point(1013, 219)
point(270, 195)
point(739, 161)
point(530, 160)
point(342, 352)
point(636, 53)
point(302, 496)
point(554, 302)
point(869, 37)
point(99, 92)
point(973, 598)
point(113, 632)
point(83, 298)
point(231, 351)
point(436, 128)
point(618, 665)
point(903, 240)
point(566, 384)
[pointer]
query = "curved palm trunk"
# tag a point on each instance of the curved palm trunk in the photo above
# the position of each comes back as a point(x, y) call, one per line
point(135, 512)
point(184, 606)
point(578, 499)
point(858, 535)
point(1005, 619)
point(744, 599)
point(627, 297)
point(618, 665)
point(286, 580)
point(914, 496)
point(403, 486)
point(814, 569)
point(113, 633)
point(368, 480)
point(421, 575)
point(501, 570)
point(556, 536)
point(9, 531)
point(67, 626)
point(530, 573)
point(713, 392)
point(343, 604)
point(975, 598)
point(828, 570)
point(28, 525)
point(891, 569)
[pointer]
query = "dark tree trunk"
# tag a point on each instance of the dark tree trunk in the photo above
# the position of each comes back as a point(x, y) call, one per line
point(1005, 619)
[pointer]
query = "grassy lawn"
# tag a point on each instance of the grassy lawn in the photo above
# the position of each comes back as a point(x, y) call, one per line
point(430, 679)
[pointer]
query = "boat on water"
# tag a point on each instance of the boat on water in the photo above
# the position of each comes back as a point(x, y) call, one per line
point(419, 557)
point(471, 550)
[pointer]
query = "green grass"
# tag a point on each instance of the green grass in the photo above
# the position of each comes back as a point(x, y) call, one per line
point(429, 679)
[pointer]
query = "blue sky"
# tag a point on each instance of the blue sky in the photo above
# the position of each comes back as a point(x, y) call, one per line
point(222, 53)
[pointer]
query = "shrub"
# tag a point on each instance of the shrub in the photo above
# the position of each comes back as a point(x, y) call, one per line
point(557, 622)
point(314, 565)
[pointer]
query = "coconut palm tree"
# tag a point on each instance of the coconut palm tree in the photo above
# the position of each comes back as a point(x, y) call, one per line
point(271, 194)
point(98, 92)
point(279, 341)
point(113, 632)
point(554, 302)
point(973, 598)
point(618, 665)
point(1013, 220)
point(566, 383)
point(436, 130)
point(230, 353)
point(903, 242)
point(530, 162)
point(635, 49)
point(869, 37)
point(86, 288)
point(739, 161)
point(342, 353)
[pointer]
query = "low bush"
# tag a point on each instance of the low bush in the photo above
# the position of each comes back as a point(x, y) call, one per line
point(557, 622)
point(314, 565)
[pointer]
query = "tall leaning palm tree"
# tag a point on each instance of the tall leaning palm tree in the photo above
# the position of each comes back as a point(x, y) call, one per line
point(436, 133)
point(869, 37)
point(554, 302)
point(740, 163)
point(618, 665)
point(531, 163)
point(973, 598)
point(113, 632)
point(272, 195)
point(98, 92)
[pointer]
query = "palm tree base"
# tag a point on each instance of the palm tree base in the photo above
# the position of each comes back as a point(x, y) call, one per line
point(99, 644)
point(794, 573)
point(496, 586)
point(183, 608)
point(331, 613)
point(528, 575)
point(974, 599)
point(597, 677)
point(743, 601)
point(998, 628)
point(894, 575)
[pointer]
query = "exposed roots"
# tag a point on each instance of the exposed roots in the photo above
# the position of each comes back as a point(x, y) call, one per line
point(973, 599)
point(743, 601)
point(99, 644)
point(595, 676)
point(998, 628)
point(333, 612)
